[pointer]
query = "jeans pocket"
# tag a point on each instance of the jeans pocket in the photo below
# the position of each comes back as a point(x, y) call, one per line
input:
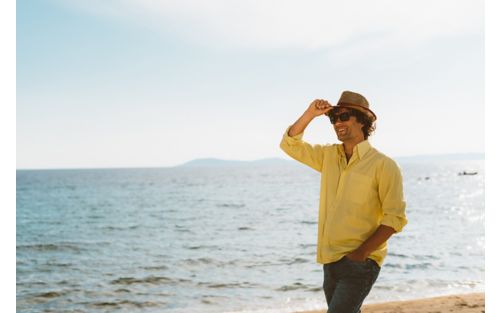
point(373, 263)
point(346, 259)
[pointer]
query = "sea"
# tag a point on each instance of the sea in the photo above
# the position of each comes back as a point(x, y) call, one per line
point(227, 238)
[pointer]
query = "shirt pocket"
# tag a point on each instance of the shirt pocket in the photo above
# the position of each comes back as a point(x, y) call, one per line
point(358, 189)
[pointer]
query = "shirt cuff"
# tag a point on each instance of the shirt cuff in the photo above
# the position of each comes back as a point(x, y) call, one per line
point(292, 139)
point(394, 221)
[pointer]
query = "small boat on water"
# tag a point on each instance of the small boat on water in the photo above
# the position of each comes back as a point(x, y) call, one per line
point(466, 173)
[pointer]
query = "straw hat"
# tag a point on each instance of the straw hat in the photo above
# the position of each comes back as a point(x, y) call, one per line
point(356, 101)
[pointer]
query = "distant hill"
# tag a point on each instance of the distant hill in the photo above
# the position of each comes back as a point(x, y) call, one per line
point(209, 162)
point(219, 162)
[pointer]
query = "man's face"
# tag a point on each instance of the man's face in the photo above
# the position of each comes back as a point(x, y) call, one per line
point(349, 130)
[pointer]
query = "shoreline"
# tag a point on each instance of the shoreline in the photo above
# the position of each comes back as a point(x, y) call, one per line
point(458, 303)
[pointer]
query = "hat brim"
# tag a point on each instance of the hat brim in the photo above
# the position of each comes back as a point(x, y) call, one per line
point(368, 112)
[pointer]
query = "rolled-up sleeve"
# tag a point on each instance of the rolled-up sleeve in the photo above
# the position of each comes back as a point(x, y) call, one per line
point(296, 148)
point(391, 196)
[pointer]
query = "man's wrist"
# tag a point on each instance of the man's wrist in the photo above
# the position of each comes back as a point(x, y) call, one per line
point(361, 251)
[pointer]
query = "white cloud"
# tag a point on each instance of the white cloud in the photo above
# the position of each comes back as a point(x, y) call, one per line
point(271, 24)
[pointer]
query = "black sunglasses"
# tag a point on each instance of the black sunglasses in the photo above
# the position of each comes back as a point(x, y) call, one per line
point(343, 117)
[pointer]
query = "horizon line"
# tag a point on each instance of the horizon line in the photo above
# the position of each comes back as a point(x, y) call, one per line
point(233, 160)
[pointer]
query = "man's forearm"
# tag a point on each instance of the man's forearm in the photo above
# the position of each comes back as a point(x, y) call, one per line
point(300, 125)
point(316, 108)
point(381, 235)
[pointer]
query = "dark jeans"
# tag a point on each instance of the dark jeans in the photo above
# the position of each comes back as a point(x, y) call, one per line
point(347, 283)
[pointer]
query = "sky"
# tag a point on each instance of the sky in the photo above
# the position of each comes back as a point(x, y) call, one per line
point(142, 83)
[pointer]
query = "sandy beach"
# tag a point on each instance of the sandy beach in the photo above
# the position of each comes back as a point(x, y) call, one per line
point(467, 303)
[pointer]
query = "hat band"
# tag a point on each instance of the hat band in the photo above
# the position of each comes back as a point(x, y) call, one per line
point(358, 106)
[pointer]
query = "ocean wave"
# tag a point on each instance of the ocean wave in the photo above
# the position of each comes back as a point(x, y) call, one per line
point(227, 285)
point(50, 294)
point(426, 257)
point(231, 205)
point(294, 286)
point(153, 280)
point(309, 222)
point(182, 229)
point(199, 261)
point(198, 247)
point(155, 268)
point(245, 228)
point(392, 254)
point(50, 247)
point(206, 261)
point(58, 264)
point(125, 304)
point(214, 299)
point(131, 227)
point(425, 265)
point(294, 261)
point(281, 262)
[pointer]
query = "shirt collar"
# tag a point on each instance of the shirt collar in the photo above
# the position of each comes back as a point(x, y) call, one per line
point(361, 149)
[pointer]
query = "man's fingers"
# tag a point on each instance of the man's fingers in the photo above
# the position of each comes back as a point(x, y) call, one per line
point(321, 104)
point(325, 106)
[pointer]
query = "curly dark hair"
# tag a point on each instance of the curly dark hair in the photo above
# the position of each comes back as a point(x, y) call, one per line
point(362, 118)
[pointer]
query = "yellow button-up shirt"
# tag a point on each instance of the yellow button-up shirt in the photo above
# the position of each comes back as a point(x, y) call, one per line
point(355, 197)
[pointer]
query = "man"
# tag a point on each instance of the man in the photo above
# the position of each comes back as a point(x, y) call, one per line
point(361, 199)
